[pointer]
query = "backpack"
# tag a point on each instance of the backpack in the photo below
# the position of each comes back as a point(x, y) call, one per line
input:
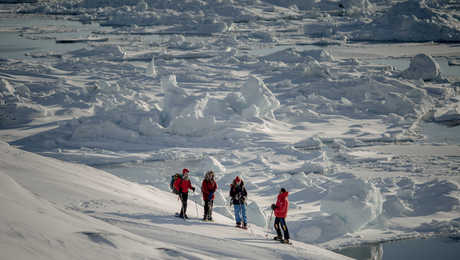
point(171, 184)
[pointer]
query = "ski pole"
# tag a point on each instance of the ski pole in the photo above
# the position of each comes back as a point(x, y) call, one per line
point(270, 219)
point(180, 202)
point(212, 206)
point(269, 223)
point(231, 209)
point(196, 207)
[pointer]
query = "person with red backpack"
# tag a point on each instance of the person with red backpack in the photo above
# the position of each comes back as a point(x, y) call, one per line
point(208, 188)
point(281, 209)
point(182, 185)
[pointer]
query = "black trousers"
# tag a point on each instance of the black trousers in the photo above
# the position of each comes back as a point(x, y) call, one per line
point(208, 209)
point(183, 197)
point(280, 223)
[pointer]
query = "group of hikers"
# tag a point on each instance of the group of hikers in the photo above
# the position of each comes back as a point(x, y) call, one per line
point(181, 185)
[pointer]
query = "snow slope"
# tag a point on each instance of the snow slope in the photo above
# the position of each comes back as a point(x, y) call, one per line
point(54, 210)
point(272, 91)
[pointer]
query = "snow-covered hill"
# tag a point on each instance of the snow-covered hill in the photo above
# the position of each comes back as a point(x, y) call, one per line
point(56, 210)
point(364, 135)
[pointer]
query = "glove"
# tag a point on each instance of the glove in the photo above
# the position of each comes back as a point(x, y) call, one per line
point(238, 197)
point(273, 206)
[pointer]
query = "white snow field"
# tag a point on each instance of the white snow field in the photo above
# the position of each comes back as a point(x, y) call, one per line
point(58, 210)
point(352, 106)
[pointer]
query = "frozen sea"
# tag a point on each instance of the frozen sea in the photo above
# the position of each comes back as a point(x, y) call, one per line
point(332, 121)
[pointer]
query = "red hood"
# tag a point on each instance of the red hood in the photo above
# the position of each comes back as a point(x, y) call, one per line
point(283, 195)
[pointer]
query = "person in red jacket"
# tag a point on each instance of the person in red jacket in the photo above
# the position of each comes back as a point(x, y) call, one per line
point(208, 187)
point(182, 185)
point(281, 209)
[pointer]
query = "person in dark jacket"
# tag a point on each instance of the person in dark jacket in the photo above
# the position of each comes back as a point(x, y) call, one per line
point(183, 185)
point(281, 209)
point(238, 194)
point(208, 188)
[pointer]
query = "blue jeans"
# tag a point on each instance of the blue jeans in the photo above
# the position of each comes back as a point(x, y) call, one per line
point(240, 213)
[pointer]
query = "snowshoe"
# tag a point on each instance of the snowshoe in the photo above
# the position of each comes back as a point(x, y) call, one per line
point(207, 219)
point(285, 241)
point(178, 215)
point(238, 225)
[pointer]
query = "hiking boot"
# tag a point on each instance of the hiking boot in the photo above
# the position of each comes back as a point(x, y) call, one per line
point(285, 241)
point(210, 218)
point(238, 224)
point(185, 216)
point(245, 226)
point(277, 238)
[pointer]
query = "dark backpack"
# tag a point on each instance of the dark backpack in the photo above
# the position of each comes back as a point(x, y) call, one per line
point(173, 179)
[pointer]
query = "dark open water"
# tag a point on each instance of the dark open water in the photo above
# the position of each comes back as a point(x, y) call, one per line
point(439, 248)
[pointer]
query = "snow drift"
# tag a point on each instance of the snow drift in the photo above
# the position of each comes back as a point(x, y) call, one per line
point(411, 21)
point(350, 205)
point(422, 67)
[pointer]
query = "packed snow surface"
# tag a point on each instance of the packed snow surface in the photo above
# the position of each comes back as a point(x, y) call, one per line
point(281, 93)
point(53, 209)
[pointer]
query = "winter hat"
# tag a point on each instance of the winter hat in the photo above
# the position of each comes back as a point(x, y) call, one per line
point(185, 170)
point(209, 174)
